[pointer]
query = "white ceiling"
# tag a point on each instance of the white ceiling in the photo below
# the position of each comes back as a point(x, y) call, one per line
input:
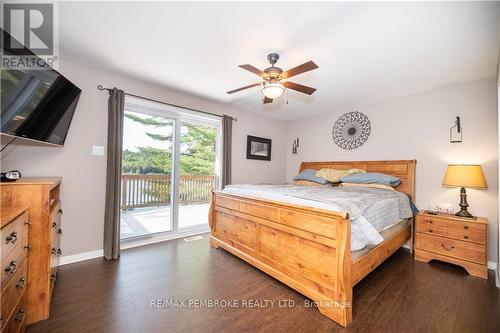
point(366, 52)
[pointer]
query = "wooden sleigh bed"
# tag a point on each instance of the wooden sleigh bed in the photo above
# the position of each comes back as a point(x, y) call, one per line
point(307, 248)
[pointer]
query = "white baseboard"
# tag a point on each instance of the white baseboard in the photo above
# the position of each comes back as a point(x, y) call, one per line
point(128, 245)
point(492, 265)
point(80, 257)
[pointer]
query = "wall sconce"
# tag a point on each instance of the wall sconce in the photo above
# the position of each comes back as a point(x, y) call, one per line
point(456, 131)
point(295, 146)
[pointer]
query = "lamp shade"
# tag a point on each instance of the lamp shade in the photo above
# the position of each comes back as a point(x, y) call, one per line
point(273, 90)
point(465, 175)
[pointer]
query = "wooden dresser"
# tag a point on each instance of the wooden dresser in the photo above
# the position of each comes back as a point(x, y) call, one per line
point(453, 239)
point(42, 197)
point(14, 251)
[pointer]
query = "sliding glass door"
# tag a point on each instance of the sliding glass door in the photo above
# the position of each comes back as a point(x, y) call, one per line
point(170, 165)
point(147, 174)
point(198, 164)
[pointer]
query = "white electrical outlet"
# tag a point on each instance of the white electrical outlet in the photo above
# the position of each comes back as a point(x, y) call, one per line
point(98, 150)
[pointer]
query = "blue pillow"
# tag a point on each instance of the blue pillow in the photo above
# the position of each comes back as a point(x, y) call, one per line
point(371, 178)
point(310, 175)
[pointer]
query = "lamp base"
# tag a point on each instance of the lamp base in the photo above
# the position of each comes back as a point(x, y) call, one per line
point(463, 205)
point(465, 214)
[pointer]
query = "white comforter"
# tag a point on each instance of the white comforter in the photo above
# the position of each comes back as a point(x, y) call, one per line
point(383, 210)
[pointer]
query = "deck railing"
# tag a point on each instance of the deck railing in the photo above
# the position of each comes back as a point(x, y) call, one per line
point(155, 190)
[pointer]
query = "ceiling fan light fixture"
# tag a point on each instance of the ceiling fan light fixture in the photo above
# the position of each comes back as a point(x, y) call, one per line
point(273, 90)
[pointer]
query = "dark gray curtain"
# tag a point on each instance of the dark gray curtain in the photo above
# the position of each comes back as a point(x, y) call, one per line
point(116, 104)
point(227, 133)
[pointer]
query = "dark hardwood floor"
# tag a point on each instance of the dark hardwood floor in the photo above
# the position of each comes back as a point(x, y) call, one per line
point(399, 296)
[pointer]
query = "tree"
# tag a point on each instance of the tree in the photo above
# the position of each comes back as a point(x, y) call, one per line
point(197, 150)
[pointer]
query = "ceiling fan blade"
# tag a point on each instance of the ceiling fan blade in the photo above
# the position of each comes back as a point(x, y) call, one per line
point(252, 69)
point(267, 100)
point(243, 88)
point(305, 67)
point(299, 87)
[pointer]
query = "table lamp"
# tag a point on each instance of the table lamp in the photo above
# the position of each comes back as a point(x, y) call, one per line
point(464, 175)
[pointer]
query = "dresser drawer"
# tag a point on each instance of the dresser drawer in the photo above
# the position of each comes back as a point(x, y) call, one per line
point(14, 290)
point(17, 322)
point(14, 235)
point(452, 248)
point(12, 264)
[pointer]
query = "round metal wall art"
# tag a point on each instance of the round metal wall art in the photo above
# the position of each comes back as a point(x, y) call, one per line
point(351, 130)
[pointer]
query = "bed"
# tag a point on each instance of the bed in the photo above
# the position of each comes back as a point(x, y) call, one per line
point(308, 248)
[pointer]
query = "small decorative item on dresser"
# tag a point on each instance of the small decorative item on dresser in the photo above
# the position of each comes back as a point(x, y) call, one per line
point(452, 239)
point(464, 175)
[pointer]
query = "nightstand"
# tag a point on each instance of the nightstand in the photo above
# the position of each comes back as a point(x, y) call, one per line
point(456, 240)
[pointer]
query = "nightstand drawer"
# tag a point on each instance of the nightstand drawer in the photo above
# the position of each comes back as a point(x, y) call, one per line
point(452, 248)
point(453, 228)
point(467, 231)
point(431, 226)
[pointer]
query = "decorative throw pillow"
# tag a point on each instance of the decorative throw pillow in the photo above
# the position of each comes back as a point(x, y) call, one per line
point(334, 175)
point(371, 178)
point(310, 175)
point(385, 187)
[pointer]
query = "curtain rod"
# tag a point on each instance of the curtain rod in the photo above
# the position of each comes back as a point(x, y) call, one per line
point(100, 87)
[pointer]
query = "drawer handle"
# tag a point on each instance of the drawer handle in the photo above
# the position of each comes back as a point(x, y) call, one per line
point(447, 248)
point(59, 251)
point(59, 231)
point(54, 225)
point(20, 284)
point(60, 211)
point(430, 230)
point(466, 237)
point(28, 223)
point(12, 267)
point(20, 315)
point(27, 247)
point(466, 227)
point(12, 238)
point(53, 251)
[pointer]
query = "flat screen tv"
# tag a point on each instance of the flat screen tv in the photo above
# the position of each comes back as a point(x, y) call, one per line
point(37, 104)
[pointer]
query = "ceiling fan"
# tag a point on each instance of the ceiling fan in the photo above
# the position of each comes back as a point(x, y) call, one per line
point(273, 85)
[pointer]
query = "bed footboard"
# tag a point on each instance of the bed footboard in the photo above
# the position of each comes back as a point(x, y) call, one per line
point(313, 258)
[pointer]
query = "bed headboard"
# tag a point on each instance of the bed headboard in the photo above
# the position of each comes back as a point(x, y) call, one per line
point(403, 169)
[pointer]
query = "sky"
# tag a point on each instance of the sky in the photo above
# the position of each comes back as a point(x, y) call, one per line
point(134, 134)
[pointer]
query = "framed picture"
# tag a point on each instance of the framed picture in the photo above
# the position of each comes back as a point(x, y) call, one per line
point(258, 148)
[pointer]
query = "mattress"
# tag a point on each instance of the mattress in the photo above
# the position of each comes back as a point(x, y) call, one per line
point(371, 210)
point(386, 234)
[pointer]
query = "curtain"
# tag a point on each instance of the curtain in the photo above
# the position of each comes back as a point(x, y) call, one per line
point(227, 131)
point(116, 104)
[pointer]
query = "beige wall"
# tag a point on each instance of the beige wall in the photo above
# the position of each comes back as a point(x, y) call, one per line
point(84, 174)
point(417, 127)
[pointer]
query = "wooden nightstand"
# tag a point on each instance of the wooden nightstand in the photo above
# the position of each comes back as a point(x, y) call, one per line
point(452, 239)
